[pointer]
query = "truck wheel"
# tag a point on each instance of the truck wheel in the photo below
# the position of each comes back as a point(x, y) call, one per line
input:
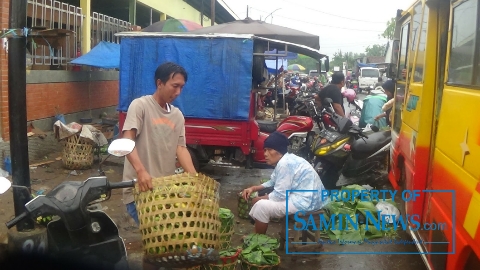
point(196, 163)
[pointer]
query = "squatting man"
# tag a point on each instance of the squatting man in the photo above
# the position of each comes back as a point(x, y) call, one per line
point(291, 173)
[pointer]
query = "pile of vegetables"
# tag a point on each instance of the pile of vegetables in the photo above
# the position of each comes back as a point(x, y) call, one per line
point(226, 228)
point(259, 250)
point(227, 261)
point(351, 208)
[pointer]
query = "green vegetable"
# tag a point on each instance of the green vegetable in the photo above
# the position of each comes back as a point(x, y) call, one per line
point(227, 220)
point(258, 249)
point(349, 208)
point(261, 240)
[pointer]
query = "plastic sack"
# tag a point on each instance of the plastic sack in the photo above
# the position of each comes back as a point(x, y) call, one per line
point(387, 210)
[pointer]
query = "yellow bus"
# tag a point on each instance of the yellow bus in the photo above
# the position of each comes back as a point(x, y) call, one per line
point(436, 128)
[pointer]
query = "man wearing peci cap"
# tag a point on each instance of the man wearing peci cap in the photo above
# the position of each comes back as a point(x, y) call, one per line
point(291, 173)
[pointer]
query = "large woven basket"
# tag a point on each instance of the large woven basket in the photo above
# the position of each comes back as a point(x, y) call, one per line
point(77, 153)
point(179, 220)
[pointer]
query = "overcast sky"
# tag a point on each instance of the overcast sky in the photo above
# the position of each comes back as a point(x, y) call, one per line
point(349, 25)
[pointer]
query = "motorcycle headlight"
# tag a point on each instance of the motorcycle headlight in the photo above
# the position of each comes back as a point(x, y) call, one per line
point(96, 227)
point(326, 149)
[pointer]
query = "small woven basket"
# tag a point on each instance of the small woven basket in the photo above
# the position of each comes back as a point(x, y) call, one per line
point(224, 263)
point(250, 266)
point(227, 228)
point(179, 220)
point(244, 206)
point(77, 153)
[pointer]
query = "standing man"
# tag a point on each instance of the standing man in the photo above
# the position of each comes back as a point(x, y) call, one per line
point(334, 92)
point(158, 129)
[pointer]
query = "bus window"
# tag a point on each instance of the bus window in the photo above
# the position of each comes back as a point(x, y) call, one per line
point(462, 53)
point(418, 74)
point(416, 20)
point(403, 50)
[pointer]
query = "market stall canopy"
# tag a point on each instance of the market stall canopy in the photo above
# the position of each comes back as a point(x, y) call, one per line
point(104, 55)
point(173, 25)
point(263, 29)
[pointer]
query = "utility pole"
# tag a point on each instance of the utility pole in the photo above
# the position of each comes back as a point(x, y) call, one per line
point(247, 10)
point(212, 11)
point(17, 110)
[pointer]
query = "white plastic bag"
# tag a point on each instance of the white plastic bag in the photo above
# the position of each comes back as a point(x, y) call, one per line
point(388, 210)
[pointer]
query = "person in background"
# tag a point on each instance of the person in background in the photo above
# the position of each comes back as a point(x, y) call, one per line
point(379, 83)
point(291, 173)
point(389, 88)
point(333, 91)
point(372, 107)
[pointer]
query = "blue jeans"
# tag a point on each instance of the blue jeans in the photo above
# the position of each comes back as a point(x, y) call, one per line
point(132, 211)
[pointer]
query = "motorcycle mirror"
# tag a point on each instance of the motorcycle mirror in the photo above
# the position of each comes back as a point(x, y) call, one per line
point(121, 147)
point(5, 185)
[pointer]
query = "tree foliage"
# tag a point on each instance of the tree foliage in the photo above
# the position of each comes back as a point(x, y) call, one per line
point(305, 61)
point(390, 30)
point(349, 57)
point(376, 50)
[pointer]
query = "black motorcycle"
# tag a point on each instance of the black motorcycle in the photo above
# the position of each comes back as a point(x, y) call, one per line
point(79, 233)
point(347, 154)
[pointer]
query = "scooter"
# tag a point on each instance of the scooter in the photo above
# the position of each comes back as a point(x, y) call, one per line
point(81, 234)
point(355, 113)
point(296, 129)
point(349, 154)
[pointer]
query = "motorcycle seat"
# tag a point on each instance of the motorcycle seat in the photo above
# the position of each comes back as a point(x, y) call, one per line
point(267, 126)
point(363, 148)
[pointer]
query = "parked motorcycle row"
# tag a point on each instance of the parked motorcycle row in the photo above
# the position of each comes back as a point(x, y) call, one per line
point(340, 151)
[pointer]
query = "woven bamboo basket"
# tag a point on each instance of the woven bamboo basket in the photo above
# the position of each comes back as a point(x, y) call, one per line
point(244, 206)
point(224, 263)
point(179, 220)
point(77, 153)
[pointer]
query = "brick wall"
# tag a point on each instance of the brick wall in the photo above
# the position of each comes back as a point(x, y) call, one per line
point(42, 99)
point(4, 16)
point(69, 97)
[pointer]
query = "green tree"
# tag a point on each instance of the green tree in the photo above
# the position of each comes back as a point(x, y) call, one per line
point(376, 50)
point(350, 58)
point(390, 30)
